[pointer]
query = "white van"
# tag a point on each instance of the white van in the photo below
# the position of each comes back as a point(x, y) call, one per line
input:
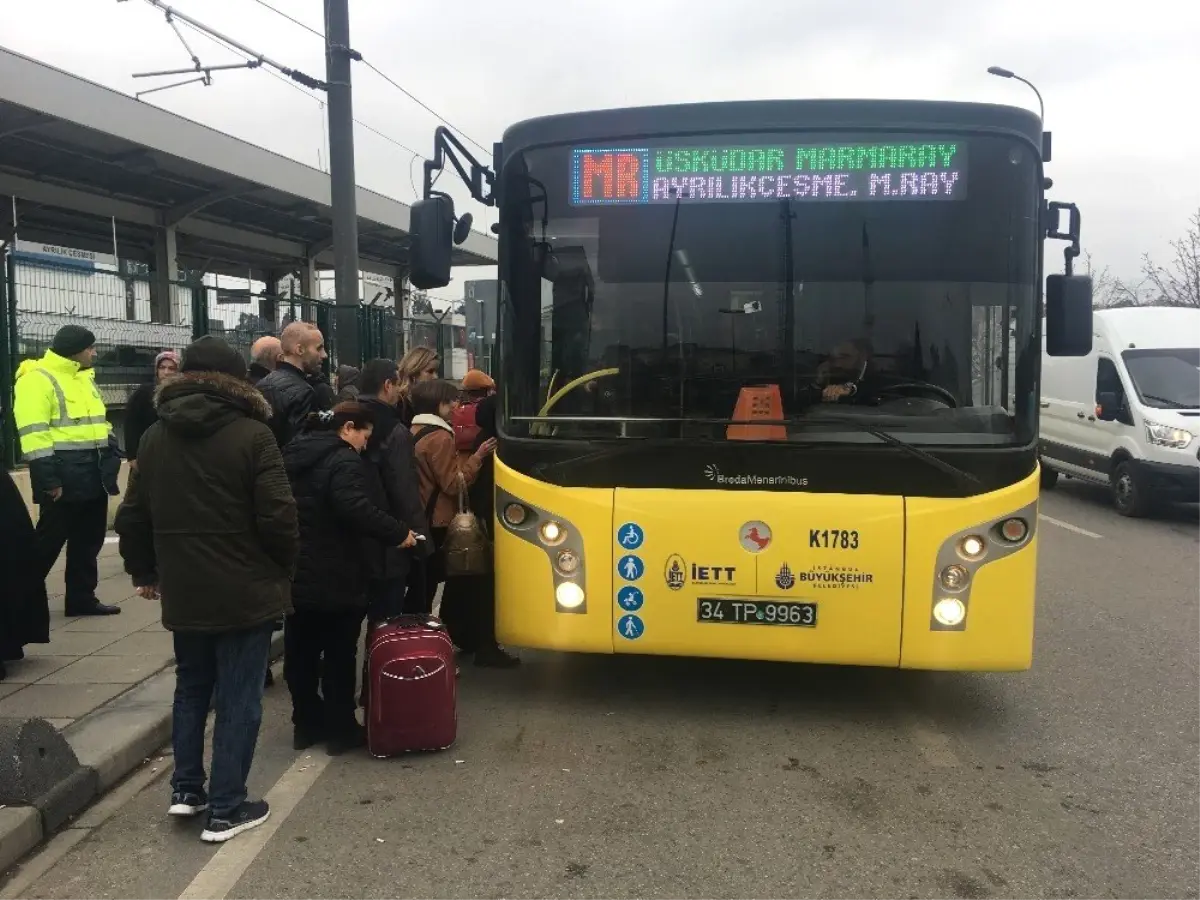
point(1127, 414)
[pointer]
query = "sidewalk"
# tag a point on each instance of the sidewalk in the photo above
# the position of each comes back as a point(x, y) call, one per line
point(105, 685)
point(90, 659)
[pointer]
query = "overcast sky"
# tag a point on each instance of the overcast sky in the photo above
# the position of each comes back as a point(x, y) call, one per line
point(1119, 80)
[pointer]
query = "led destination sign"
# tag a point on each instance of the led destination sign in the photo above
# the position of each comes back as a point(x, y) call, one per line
point(932, 170)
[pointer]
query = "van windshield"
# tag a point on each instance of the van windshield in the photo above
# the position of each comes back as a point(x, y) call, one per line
point(1166, 379)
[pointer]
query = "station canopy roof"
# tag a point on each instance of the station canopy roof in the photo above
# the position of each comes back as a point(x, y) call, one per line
point(77, 155)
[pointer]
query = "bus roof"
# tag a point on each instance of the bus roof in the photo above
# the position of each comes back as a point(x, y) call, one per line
point(608, 125)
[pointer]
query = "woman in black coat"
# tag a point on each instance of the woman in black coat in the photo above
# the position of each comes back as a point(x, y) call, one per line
point(140, 412)
point(24, 606)
point(338, 523)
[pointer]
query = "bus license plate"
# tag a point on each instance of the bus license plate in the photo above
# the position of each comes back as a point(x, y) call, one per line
point(757, 612)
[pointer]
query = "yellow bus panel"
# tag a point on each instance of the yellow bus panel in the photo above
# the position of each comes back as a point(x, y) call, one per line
point(824, 578)
point(526, 615)
point(997, 634)
point(842, 553)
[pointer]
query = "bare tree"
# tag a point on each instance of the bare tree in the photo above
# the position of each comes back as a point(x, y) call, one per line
point(1178, 283)
point(1109, 291)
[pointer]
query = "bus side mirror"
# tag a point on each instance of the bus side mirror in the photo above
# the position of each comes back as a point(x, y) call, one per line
point(1068, 315)
point(431, 228)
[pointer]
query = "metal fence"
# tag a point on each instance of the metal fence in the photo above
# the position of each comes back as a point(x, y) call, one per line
point(131, 322)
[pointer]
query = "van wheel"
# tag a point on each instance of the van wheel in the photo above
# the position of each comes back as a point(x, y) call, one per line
point(1049, 478)
point(1131, 494)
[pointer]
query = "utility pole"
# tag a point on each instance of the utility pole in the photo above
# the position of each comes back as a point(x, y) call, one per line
point(338, 56)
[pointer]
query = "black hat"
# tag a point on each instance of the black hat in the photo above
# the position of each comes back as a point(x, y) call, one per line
point(72, 339)
point(211, 354)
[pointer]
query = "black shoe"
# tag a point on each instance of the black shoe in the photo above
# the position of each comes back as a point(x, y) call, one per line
point(303, 738)
point(187, 803)
point(347, 739)
point(95, 608)
point(249, 815)
point(496, 658)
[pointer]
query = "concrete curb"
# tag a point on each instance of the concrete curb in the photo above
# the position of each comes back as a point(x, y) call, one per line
point(109, 742)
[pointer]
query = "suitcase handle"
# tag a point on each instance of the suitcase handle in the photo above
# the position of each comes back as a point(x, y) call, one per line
point(412, 621)
point(421, 676)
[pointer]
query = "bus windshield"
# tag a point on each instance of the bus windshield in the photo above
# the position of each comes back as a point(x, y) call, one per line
point(886, 281)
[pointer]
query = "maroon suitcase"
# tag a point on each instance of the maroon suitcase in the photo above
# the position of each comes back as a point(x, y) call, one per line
point(412, 691)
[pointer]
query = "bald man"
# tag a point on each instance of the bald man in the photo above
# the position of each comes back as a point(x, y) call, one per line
point(289, 389)
point(264, 357)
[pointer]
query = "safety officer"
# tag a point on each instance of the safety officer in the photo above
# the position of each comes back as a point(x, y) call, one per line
point(73, 459)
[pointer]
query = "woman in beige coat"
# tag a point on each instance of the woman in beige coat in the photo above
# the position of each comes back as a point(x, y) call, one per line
point(442, 472)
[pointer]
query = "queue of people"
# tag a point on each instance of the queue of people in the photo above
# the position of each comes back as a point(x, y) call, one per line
point(256, 499)
point(259, 498)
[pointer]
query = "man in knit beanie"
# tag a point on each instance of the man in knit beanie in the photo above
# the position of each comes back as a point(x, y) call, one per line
point(73, 460)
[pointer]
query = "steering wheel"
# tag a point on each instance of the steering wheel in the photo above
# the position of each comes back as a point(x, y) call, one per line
point(908, 388)
point(544, 428)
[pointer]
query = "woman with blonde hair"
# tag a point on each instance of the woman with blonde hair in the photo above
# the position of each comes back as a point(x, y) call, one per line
point(419, 364)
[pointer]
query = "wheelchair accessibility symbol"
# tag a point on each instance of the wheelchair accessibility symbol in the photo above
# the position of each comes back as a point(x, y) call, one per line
point(630, 536)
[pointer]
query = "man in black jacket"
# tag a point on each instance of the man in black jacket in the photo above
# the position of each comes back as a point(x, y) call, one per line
point(264, 357)
point(848, 377)
point(393, 486)
point(289, 389)
point(208, 526)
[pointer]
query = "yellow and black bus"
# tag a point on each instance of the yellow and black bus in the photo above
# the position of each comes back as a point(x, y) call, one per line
point(768, 377)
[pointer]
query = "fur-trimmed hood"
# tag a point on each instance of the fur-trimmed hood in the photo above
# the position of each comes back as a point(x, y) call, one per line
point(202, 403)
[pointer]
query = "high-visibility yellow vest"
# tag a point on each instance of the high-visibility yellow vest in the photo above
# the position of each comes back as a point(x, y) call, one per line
point(58, 407)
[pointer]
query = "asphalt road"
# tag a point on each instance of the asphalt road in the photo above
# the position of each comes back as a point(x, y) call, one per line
point(602, 777)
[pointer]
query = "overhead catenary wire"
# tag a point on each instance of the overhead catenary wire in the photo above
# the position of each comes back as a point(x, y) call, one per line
point(306, 93)
point(258, 59)
point(294, 77)
point(409, 94)
point(421, 103)
point(294, 21)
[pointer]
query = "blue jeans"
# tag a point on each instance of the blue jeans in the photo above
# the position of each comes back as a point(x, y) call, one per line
point(225, 669)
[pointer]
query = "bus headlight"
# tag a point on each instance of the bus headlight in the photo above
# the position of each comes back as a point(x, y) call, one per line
point(569, 595)
point(567, 562)
point(515, 515)
point(954, 578)
point(972, 547)
point(552, 533)
point(949, 611)
point(1014, 530)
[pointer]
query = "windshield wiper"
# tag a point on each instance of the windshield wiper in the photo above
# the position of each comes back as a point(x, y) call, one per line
point(960, 475)
point(543, 468)
point(1172, 404)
